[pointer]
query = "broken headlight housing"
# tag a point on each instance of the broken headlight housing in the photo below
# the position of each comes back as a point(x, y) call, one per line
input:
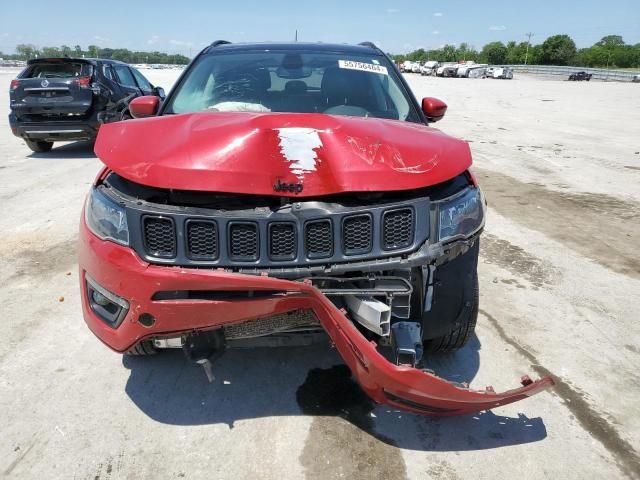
point(106, 218)
point(461, 216)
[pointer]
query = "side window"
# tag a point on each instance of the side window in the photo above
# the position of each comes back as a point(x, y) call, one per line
point(125, 77)
point(108, 73)
point(142, 82)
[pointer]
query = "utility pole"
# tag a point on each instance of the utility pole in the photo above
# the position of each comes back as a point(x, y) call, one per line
point(526, 54)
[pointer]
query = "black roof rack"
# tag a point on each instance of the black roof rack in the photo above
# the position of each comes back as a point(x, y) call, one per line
point(215, 44)
point(376, 48)
point(369, 44)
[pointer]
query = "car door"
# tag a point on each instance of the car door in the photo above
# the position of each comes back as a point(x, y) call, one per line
point(126, 81)
point(144, 84)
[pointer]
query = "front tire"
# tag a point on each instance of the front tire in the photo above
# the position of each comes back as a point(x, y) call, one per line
point(458, 338)
point(39, 146)
point(142, 349)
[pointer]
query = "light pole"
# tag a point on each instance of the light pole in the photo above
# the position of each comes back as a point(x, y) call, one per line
point(526, 53)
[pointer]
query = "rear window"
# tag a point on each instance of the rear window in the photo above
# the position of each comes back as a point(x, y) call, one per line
point(58, 70)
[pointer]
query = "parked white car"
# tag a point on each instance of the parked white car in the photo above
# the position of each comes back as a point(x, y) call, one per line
point(479, 71)
point(502, 72)
point(463, 71)
point(429, 68)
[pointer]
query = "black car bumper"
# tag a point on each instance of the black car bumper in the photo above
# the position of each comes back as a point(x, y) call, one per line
point(54, 130)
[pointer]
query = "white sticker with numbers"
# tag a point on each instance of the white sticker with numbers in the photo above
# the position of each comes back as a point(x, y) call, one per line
point(364, 67)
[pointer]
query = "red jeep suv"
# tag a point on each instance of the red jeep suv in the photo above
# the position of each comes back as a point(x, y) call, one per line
point(282, 191)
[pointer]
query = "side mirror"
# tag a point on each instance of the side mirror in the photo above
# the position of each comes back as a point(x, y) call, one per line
point(146, 106)
point(433, 108)
point(159, 91)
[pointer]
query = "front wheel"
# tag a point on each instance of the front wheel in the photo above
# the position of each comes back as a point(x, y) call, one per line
point(458, 338)
point(142, 349)
point(38, 146)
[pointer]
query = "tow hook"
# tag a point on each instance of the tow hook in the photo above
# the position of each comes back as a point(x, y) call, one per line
point(406, 343)
point(203, 348)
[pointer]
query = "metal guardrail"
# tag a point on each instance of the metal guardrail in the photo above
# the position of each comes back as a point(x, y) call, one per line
point(598, 73)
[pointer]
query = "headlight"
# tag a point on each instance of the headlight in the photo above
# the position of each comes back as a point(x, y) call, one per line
point(461, 216)
point(106, 219)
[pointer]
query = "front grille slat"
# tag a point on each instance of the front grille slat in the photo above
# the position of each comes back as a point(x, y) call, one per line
point(357, 234)
point(283, 244)
point(398, 228)
point(202, 239)
point(318, 238)
point(243, 241)
point(159, 236)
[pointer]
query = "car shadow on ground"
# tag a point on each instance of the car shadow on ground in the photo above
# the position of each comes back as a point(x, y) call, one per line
point(312, 381)
point(79, 149)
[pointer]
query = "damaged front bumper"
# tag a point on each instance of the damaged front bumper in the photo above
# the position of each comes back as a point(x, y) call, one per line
point(119, 270)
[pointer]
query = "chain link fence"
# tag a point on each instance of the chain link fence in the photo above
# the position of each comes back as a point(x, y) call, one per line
point(598, 73)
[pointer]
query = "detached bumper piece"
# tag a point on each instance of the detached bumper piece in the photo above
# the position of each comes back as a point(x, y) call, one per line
point(404, 386)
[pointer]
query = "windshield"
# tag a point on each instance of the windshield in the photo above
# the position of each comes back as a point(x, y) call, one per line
point(58, 70)
point(296, 82)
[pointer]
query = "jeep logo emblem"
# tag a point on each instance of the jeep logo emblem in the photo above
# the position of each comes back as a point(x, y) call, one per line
point(287, 187)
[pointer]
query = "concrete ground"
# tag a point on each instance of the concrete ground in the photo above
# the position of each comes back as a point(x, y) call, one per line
point(560, 293)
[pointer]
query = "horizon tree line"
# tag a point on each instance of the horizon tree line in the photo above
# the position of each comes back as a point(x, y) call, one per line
point(610, 51)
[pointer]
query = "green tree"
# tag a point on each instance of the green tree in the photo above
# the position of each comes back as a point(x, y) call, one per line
point(94, 51)
point(466, 52)
point(26, 51)
point(448, 53)
point(122, 54)
point(417, 55)
point(494, 53)
point(610, 41)
point(558, 50)
point(51, 52)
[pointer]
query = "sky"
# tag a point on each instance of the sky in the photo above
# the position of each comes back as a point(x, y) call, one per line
point(396, 26)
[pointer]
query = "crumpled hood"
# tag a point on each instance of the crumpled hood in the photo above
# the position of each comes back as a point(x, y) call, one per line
point(312, 154)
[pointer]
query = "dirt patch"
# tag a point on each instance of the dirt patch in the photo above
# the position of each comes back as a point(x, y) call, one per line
point(33, 262)
point(342, 442)
point(442, 470)
point(515, 259)
point(592, 421)
point(598, 226)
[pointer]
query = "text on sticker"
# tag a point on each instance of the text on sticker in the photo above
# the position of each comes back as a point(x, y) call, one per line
point(365, 67)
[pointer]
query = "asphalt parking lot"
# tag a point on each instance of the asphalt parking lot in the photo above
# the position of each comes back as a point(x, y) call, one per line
point(560, 293)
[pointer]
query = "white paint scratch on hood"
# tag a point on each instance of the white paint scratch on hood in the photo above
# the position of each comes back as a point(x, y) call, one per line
point(298, 145)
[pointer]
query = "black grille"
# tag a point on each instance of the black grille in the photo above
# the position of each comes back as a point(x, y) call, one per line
point(243, 241)
point(282, 241)
point(357, 234)
point(159, 237)
point(398, 229)
point(318, 238)
point(202, 240)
